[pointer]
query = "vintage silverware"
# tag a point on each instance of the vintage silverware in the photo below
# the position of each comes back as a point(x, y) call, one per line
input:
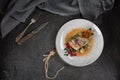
point(33, 20)
point(32, 33)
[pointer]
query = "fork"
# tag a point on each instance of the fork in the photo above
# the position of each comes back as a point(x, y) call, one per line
point(33, 20)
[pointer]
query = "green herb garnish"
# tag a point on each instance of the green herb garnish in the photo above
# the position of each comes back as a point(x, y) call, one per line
point(64, 48)
point(71, 49)
point(84, 42)
point(90, 28)
point(65, 54)
point(76, 35)
point(92, 33)
point(71, 38)
point(78, 50)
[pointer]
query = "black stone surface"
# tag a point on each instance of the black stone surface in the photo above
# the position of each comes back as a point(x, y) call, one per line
point(25, 62)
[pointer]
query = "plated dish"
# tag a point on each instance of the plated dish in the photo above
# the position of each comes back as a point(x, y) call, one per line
point(79, 42)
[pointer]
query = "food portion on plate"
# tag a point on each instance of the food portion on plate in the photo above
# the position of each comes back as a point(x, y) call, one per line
point(78, 42)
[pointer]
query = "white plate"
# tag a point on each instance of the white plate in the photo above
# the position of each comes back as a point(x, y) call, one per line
point(97, 46)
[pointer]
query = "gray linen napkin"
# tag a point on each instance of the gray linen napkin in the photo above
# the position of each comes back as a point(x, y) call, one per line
point(18, 10)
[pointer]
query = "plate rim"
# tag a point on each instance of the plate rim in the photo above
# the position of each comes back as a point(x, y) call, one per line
point(57, 43)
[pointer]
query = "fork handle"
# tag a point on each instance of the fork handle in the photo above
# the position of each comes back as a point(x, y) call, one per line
point(22, 33)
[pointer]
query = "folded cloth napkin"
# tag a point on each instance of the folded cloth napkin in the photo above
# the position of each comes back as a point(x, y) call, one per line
point(18, 10)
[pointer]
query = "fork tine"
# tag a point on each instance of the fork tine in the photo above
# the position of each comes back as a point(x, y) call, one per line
point(36, 16)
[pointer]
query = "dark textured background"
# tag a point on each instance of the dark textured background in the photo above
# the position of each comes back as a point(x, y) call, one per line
point(25, 62)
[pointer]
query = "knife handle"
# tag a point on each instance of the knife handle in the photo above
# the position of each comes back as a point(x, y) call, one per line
point(28, 36)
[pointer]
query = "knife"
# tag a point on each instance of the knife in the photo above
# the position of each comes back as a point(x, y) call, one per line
point(32, 33)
